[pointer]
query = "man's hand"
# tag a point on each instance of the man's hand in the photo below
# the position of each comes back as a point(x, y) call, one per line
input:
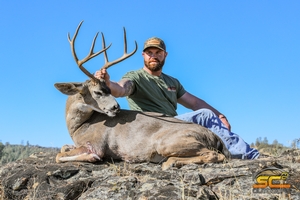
point(102, 74)
point(225, 121)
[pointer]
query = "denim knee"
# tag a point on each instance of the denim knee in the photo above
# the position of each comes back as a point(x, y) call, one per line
point(197, 116)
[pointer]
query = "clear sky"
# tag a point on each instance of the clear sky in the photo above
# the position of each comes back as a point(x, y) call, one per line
point(242, 57)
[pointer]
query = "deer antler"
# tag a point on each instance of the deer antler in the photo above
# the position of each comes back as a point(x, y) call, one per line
point(125, 55)
point(89, 56)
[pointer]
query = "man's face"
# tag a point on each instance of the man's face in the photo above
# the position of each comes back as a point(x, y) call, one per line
point(154, 58)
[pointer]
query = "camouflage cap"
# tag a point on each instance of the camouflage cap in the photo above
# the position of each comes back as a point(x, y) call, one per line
point(155, 42)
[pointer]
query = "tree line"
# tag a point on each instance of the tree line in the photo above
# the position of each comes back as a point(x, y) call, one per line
point(275, 148)
point(10, 153)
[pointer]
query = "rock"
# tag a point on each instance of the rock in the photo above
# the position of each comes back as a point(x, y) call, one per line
point(39, 177)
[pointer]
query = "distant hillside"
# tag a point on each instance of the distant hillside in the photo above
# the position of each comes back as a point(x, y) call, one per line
point(10, 153)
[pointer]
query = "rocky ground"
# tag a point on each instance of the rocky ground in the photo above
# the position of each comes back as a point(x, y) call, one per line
point(39, 177)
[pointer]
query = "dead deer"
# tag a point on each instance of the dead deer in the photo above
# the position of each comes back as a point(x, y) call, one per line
point(100, 129)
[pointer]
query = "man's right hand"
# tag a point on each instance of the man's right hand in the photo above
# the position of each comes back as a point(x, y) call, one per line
point(123, 88)
point(102, 74)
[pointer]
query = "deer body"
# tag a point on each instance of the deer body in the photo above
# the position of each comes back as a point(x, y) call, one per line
point(100, 129)
point(132, 136)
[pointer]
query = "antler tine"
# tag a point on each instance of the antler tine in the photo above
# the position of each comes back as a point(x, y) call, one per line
point(125, 55)
point(90, 55)
point(103, 46)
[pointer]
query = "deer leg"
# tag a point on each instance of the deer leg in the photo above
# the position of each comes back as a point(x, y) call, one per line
point(204, 156)
point(80, 154)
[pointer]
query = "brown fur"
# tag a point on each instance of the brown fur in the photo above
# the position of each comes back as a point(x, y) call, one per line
point(131, 135)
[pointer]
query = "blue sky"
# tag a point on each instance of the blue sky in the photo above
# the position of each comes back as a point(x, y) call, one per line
point(242, 57)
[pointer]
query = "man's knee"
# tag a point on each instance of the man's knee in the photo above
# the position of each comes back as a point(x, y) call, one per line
point(204, 112)
point(202, 116)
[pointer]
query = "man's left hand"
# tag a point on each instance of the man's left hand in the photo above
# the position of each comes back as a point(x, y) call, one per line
point(225, 122)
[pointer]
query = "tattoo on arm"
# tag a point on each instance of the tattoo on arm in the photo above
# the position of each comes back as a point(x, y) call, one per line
point(128, 85)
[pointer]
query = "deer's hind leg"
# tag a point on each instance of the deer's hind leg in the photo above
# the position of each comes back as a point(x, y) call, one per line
point(80, 154)
point(204, 156)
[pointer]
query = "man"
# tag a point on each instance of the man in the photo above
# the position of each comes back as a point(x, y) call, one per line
point(149, 89)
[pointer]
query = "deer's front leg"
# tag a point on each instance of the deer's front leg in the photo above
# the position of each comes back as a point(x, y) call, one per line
point(80, 154)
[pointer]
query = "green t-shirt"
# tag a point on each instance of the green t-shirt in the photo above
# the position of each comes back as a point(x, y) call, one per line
point(154, 93)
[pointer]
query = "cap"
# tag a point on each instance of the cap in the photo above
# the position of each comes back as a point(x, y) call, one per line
point(155, 42)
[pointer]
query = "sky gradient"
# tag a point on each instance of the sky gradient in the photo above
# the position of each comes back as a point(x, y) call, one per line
point(242, 57)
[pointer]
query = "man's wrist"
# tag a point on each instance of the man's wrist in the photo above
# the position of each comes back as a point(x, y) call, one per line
point(108, 83)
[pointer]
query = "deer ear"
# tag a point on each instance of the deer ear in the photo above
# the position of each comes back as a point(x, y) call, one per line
point(69, 88)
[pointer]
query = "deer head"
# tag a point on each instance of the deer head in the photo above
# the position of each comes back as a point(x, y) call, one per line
point(93, 95)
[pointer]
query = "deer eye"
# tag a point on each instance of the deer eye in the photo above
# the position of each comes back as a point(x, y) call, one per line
point(97, 93)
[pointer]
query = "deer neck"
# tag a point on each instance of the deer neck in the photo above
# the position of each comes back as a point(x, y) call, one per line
point(77, 112)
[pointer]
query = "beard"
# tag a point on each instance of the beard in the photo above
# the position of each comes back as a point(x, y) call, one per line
point(154, 67)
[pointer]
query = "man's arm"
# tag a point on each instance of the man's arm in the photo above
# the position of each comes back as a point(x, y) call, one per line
point(123, 88)
point(190, 101)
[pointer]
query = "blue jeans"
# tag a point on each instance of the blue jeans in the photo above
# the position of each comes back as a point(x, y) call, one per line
point(234, 143)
